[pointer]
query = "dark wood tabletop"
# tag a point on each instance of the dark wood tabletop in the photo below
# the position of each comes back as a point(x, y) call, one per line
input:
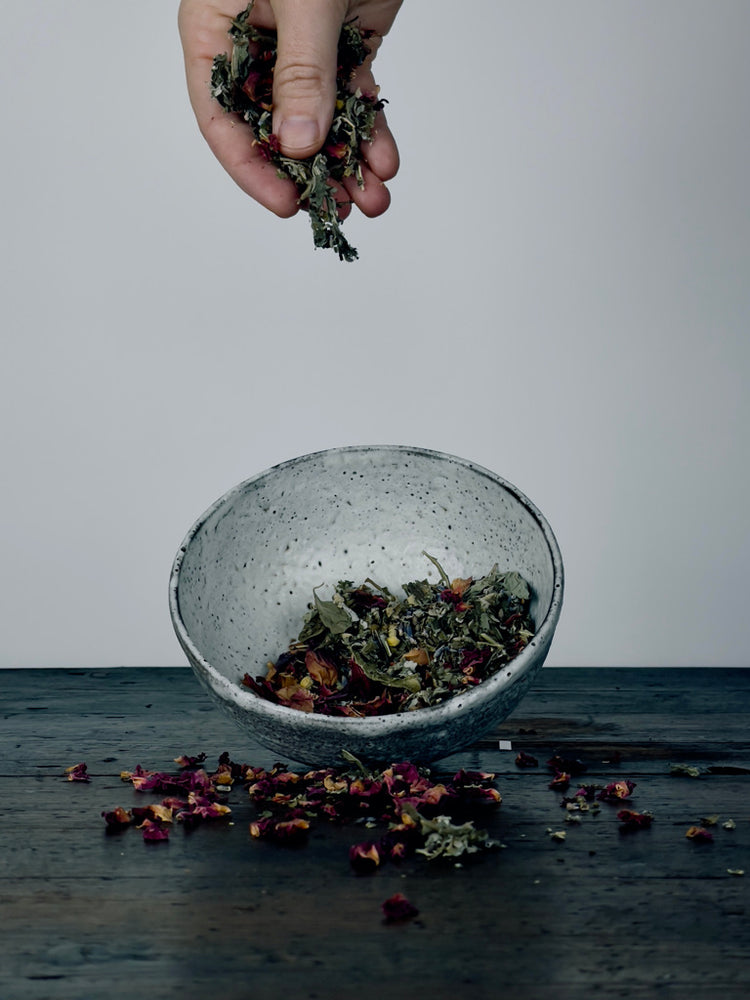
point(214, 912)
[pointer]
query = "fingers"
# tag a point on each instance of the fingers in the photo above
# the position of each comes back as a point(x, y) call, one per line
point(381, 154)
point(203, 31)
point(304, 94)
point(372, 199)
point(304, 89)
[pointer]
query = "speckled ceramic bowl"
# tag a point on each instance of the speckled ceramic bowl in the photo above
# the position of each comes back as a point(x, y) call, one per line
point(242, 579)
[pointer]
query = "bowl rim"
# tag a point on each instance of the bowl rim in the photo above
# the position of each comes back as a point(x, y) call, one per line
point(374, 725)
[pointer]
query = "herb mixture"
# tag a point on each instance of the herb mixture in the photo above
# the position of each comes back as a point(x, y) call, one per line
point(367, 652)
point(434, 819)
point(243, 83)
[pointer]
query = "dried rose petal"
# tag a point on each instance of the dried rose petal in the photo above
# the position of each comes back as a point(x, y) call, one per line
point(184, 760)
point(398, 908)
point(364, 857)
point(117, 818)
point(154, 831)
point(320, 669)
point(161, 812)
point(200, 806)
point(77, 772)
point(174, 803)
point(699, 834)
point(365, 790)
point(395, 846)
point(560, 782)
point(569, 764)
point(524, 759)
point(616, 791)
point(290, 831)
point(631, 820)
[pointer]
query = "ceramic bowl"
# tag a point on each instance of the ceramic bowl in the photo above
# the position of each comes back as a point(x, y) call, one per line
point(242, 579)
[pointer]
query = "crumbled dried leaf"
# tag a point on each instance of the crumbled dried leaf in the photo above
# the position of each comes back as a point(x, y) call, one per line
point(684, 770)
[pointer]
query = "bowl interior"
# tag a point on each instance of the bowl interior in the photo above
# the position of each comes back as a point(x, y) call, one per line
point(248, 566)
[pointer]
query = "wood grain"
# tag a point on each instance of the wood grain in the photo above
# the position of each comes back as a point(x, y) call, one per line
point(215, 913)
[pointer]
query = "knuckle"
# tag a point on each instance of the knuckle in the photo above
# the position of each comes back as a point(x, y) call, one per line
point(304, 78)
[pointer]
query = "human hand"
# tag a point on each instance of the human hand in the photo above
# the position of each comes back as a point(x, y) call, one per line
point(304, 94)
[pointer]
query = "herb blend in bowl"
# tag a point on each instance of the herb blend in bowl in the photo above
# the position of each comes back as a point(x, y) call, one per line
point(368, 652)
point(351, 514)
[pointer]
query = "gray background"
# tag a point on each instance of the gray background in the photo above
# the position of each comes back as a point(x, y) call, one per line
point(559, 292)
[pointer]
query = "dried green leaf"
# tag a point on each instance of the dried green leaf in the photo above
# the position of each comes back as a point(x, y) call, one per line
point(335, 618)
point(515, 584)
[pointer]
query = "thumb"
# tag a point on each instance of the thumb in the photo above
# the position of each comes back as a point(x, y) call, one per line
point(304, 87)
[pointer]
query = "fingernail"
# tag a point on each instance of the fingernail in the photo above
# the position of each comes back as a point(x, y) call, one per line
point(298, 133)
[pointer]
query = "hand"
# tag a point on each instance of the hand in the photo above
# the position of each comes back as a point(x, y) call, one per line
point(304, 93)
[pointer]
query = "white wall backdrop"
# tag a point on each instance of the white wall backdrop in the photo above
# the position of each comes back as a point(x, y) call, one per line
point(559, 292)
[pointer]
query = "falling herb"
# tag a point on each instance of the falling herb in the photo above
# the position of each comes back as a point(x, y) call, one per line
point(243, 83)
point(367, 652)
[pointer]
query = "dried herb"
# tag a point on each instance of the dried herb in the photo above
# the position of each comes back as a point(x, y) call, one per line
point(243, 83)
point(198, 799)
point(684, 771)
point(367, 652)
point(420, 814)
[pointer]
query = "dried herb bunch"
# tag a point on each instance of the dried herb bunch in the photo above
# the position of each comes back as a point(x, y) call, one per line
point(243, 83)
point(367, 652)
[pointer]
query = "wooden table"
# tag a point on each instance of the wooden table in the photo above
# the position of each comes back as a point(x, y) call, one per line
point(215, 913)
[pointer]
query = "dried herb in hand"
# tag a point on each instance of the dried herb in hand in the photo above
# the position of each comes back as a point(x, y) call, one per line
point(243, 83)
point(367, 652)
